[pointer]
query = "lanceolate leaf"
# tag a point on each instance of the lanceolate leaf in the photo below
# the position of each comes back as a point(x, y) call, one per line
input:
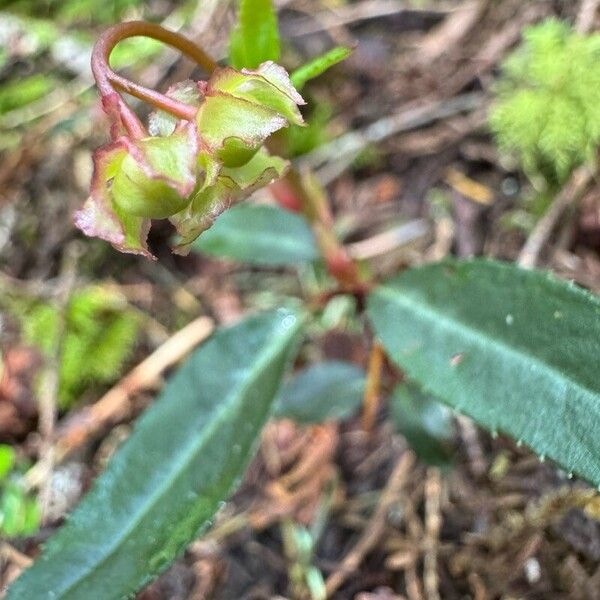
point(516, 350)
point(317, 66)
point(260, 235)
point(328, 390)
point(256, 36)
point(185, 457)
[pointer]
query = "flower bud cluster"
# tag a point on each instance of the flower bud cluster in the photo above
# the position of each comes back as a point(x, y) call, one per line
point(189, 170)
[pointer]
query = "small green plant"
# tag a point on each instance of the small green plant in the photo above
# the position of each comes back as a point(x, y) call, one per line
point(514, 349)
point(98, 337)
point(299, 543)
point(547, 110)
point(19, 512)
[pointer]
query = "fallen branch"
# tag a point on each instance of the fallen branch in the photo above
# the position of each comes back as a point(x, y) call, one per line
point(388, 241)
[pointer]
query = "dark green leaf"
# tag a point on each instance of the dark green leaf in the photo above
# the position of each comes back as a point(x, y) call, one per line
point(183, 459)
point(259, 235)
point(317, 66)
point(424, 422)
point(255, 39)
point(329, 390)
point(516, 350)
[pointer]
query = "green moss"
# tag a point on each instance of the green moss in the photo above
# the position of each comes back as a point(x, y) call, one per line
point(99, 335)
point(547, 110)
point(19, 512)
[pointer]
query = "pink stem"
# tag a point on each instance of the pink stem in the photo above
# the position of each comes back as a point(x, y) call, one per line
point(107, 80)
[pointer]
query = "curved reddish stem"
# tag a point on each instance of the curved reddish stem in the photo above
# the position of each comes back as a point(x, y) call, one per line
point(107, 80)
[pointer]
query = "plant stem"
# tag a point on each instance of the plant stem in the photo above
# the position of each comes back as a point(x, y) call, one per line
point(373, 386)
point(295, 192)
point(108, 81)
point(569, 194)
point(303, 193)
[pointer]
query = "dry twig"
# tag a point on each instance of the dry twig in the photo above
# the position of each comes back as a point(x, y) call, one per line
point(587, 15)
point(451, 31)
point(373, 387)
point(433, 524)
point(404, 120)
point(10, 553)
point(114, 404)
point(389, 240)
point(353, 13)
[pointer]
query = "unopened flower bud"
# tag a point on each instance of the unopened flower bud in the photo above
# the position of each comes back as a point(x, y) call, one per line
point(189, 171)
point(156, 177)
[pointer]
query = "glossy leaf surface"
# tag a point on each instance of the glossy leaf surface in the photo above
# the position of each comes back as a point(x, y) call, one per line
point(328, 390)
point(260, 235)
point(424, 422)
point(516, 350)
point(183, 459)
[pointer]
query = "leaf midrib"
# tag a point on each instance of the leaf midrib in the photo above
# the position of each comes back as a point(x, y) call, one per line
point(397, 296)
point(188, 456)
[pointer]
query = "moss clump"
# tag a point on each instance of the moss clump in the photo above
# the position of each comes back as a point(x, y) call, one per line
point(547, 110)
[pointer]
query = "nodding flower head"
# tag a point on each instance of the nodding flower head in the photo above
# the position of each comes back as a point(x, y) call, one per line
point(202, 151)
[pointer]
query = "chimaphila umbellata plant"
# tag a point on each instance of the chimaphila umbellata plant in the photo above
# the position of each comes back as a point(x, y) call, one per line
point(517, 350)
point(204, 152)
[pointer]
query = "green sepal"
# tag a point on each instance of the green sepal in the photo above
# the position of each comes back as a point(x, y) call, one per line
point(269, 86)
point(232, 185)
point(260, 171)
point(156, 176)
point(242, 109)
point(136, 180)
point(190, 170)
point(100, 218)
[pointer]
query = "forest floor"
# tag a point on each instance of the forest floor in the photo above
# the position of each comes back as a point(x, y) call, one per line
point(409, 150)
